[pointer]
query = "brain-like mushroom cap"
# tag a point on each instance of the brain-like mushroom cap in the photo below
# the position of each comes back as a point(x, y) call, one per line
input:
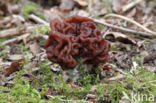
point(76, 37)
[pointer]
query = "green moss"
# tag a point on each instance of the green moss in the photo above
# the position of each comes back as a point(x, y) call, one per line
point(55, 100)
point(35, 91)
point(4, 53)
point(25, 52)
point(101, 27)
point(45, 74)
point(105, 3)
point(117, 92)
point(27, 9)
point(142, 85)
point(21, 91)
point(32, 8)
point(114, 48)
point(42, 30)
point(39, 14)
point(3, 48)
point(114, 91)
point(80, 94)
point(22, 48)
point(61, 86)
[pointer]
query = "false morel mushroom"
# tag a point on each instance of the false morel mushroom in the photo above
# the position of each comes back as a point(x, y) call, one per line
point(76, 37)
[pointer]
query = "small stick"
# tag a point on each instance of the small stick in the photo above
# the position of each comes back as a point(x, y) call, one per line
point(11, 32)
point(11, 18)
point(15, 39)
point(122, 28)
point(42, 36)
point(131, 21)
point(4, 64)
point(38, 20)
point(19, 30)
point(130, 5)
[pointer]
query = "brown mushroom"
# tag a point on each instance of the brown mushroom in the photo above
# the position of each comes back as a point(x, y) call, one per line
point(76, 37)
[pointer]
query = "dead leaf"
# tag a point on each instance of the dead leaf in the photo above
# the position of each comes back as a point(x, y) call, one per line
point(66, 4)
point(35, 48)
point(149, 57)
point(30, 66)
point(150, 69)
point(91, 96)
point(79, 13)
point(117, 36)
point(14, 50)
point(120, 57)
point(11, 21)
point(151, 45)
point(140, 43)
point(75, 86)
point(15, 40)
point(12, 32)
point(14, 9)
point(15, 66)
point(4, 64)
point(15, 57)
point(118, 77)
point(3, 8)
point(28, 79)
point(54, 13)
point(132, 13)
point(1, 60)
point(92, 101)
point(50, 93)
point(82, 2)
point(118, 4)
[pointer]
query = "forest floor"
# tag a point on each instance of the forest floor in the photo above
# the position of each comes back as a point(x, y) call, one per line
point(27, 76)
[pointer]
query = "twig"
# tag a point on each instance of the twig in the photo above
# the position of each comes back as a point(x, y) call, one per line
point(4, 64)
point(11, 32)
point(24, 36)
point(122, 28)
point(19, 30)
point(132, 21)
point(42, 36)
point(38, 20)
point(12, 18)
point(130, 5)
point(6, 19)
point(13, 40)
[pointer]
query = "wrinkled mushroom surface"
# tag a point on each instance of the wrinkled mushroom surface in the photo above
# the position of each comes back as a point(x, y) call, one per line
point(76, 37)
